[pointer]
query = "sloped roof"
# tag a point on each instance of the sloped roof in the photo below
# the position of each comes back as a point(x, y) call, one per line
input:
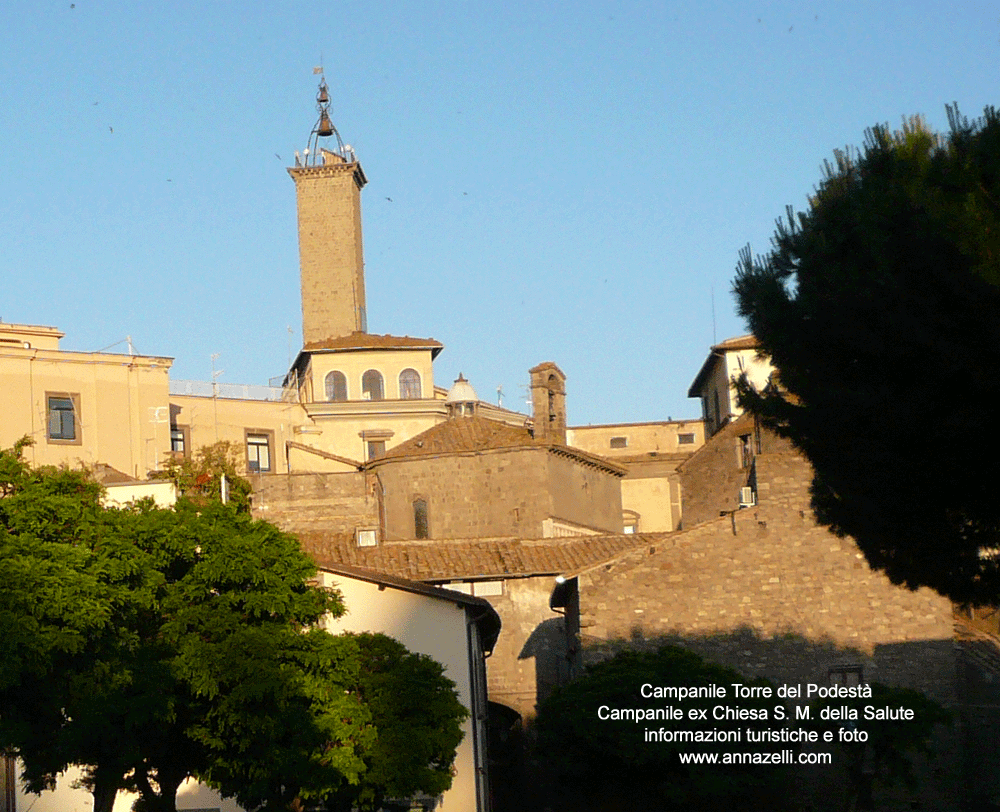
point(488, 619)
point(443, 560)
point(747, 342)
point(464, 435)
point(372, 341)
point(106, 475)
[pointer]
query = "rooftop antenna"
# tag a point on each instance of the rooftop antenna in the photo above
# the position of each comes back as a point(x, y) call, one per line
point(313, 153)
point(215, 392)
point(714, 342)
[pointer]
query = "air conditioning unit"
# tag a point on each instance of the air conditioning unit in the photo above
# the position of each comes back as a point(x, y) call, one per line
point(747, 497)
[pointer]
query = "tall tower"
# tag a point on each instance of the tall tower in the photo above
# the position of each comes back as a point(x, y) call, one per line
point(328, 182)
point(548, 402)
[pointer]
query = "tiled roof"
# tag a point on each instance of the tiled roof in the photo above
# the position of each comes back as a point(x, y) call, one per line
point(747, 342)
point(488, 619)
point(463, 435)
point(442, 560)
point(107, 475)
point(371, 341)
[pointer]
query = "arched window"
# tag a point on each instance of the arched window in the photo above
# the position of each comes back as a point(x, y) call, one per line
point(372, 387)
point(409, 384)
point(336, 386)
point(420, 526)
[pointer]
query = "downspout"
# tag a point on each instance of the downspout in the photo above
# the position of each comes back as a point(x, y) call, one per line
point(477, 675)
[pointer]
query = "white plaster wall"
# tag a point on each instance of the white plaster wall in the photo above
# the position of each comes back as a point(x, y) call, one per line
point(425, 625)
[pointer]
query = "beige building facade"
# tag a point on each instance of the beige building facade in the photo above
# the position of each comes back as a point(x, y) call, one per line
point(713, 385)
point(82, 407)
point(458, 631)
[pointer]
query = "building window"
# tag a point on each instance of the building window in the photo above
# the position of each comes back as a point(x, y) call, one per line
point(421, 529)
point(367, 537)
point(179, 440)
point(746, 450)
point(258, 452)
point(63, 424)
point(376, 449)
point(487, 589)
point(336, 386)
point(372, 387)
point(685, 439)
point(847, 675)
point(619, 442)
point(409, 384)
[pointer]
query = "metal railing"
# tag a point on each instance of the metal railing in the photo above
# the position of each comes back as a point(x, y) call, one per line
point(207, 389)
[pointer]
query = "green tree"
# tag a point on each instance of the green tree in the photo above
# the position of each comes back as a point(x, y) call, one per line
point(880, 308)
point(607, 764)
point(200, 476)
point(146, 645)
point(58, 614)
point(887, 756)
point(418, 719)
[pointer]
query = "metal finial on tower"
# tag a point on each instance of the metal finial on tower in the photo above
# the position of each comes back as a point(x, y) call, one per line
point(316, 153)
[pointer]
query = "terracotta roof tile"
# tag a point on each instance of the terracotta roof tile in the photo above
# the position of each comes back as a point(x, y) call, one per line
point(442, 560)
point(463, 435)
point(371, 341)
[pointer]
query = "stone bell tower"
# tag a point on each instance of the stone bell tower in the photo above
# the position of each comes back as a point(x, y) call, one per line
point(548, 402)
point(328, 182)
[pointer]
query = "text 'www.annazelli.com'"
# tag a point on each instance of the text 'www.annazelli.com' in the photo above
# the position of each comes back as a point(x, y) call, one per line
point(779, 757)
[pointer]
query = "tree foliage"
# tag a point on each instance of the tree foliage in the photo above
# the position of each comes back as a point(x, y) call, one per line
point(419, 722)
point(199, 477)
point(888, 757)
point(880, 308)
point(148, 645)
point(608, 764)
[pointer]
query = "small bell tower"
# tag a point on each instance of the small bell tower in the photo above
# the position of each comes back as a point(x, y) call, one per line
point(328, 182)
point(548, 402)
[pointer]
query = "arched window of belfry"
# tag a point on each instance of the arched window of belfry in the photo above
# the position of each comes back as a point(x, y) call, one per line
point(336, 386)
point(409, 384)
point(372, 386)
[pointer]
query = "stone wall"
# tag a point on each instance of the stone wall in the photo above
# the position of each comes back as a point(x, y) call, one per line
point(584, 494)
point(767, 591)
point(332, 503)
point(497, 493)
point(771, 572)
point(711, 478)
point(530, 656)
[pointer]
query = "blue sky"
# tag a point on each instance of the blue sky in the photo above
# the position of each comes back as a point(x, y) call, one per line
point(567, 182)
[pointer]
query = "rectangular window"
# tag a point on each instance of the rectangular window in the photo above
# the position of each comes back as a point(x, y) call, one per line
point(619, 442)
point(847, 675)
point(376, 449)
point(367, 537)
point(685, 439)
point(179, 440)
point(487, 589)
point(258, 452)
point(63, 423)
